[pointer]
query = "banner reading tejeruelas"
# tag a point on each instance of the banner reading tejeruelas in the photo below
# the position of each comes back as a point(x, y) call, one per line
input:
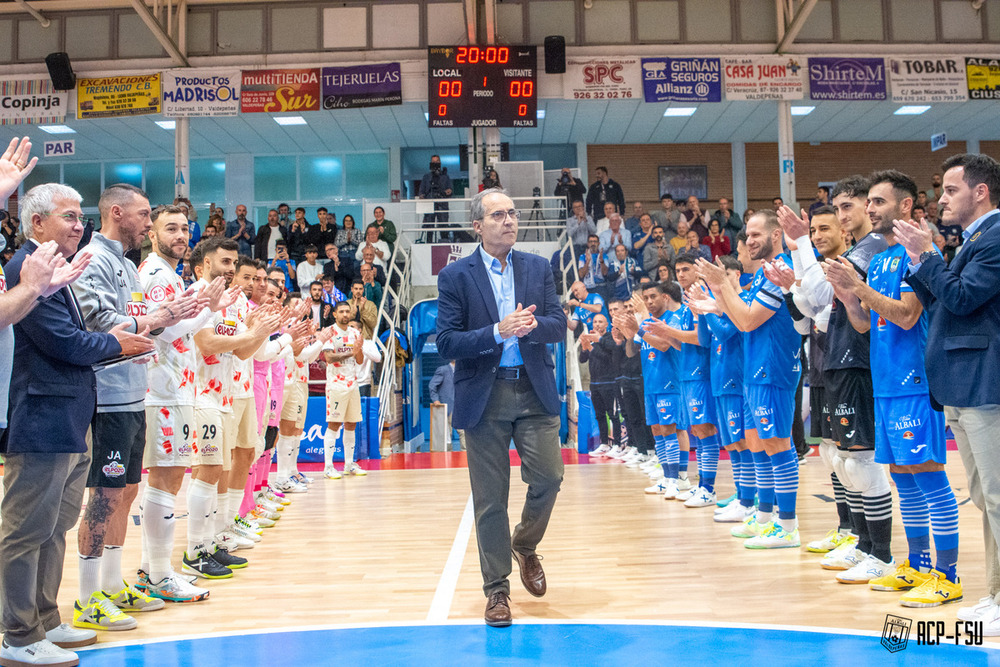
point(201, 92)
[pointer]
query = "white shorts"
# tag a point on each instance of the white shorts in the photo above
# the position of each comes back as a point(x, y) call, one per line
point(296, 401)
point(210, 439)
point(343, 406)
point(241, 428)
point(170, 436)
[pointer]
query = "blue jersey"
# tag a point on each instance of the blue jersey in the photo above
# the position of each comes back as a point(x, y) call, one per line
point(694, 358)
point(897, 354)
point(581, 314)
point(655, 366)
point(672, 378)
point(725, 343)
point(772, 351)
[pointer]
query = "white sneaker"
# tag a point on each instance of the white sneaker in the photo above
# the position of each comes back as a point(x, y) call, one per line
point(687, 494)
point(843, 557)
point(302, 479)
point(651, 462)
point(734, 513)
point(616, 452)
point(331, 473)
point(601, 452)
point(683, 483)
point(977, 612)
point(657, 489)
point(291, 486)
point(635, 461)
point(868, 569)
point(244, 530)
point(42, 652)
point(671, 491)
point(775, 537)
point(700, 498)
point(990, 619)
point(230, 541)
point(66, 636)
point(356, 471)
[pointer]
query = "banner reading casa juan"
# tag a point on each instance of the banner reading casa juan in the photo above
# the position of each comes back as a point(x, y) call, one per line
point(362, 86)
point(278, 90)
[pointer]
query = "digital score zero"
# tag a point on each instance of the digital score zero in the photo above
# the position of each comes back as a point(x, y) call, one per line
point(481, 86)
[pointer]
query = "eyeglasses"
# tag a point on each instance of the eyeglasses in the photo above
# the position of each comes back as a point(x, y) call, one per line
point(500, 216)
point(70, 217)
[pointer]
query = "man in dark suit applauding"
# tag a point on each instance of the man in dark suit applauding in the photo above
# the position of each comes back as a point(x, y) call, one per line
point(53, 398)
point(963, 340)
point(497, 311)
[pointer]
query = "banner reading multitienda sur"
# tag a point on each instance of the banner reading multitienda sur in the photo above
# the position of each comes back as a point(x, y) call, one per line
point(32, 101)
point(277, 90)
point(111, 96)
point(201, 92)
point(362, 86)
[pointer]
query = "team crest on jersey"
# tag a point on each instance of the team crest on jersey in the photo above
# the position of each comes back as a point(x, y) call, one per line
point(908, 435)
point(881, 322)
point(764, 421)
point(652, 356)
point(844, 421)
point(157, 294)
point(894, 265)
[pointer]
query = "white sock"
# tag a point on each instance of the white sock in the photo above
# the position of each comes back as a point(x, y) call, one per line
point(200, 497)
point(284, 444)
point(90, 577)
point(111, 568)
point(349, 448)
point(329, 446)
point(222, 515)
point(763, 518)
point(788, 525)
point(235, 500)
point(293, 455)
point(157, 532)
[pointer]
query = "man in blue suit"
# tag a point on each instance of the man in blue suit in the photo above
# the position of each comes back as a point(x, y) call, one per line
point(52, 401)
point(963, 341)
point(442, 391)
point(497, 311)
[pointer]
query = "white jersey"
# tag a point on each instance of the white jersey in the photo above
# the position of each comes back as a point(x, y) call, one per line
point(242, 368)
point(171, 374)
point(214, 372)
point(342, 375)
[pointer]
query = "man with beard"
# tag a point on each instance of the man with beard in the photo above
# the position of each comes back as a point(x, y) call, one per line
point(170, 423)
point(320, 312)
point(110, 294)
point(242, 230)
point(909, 432)
point(772, 350)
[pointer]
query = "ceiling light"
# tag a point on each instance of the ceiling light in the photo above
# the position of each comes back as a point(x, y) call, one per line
point(911, 110)
point(167, 124)
point(802, 111)
point(427, 116)
point(57, 129)
point(679, 111)
point(540, 114)
point(290, 120)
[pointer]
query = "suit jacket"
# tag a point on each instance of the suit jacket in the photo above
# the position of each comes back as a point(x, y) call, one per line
point(442, 386)
point(963, 334)
point(467, 312)
point(53, 388)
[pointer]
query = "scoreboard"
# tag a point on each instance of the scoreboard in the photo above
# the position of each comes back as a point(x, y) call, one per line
point(481, 86)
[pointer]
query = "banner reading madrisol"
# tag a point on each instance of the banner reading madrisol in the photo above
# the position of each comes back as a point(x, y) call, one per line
point(201, 92)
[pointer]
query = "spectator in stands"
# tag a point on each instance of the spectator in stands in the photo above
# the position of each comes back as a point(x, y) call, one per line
point(320, 312)
point(642, 238)
point(605, 222)
point(936, 190)
point(8, 229)
point(663, 273)
point(442, 392)
point(331, 295)
point(657, 251)
point(578, 227)
point(379, 248)
point(336, 268)
point(822, 199)
point(242, 230)
point(747, 213)
point(697, 218)
point(615, 234)
point(694, 246)
point(363, 310)
point(436, 184)
point(718, 243)
point(680, 240)
point(373, 289)
point(298, 235)
point(368, 257)
point(268, 236)
point(593, 264)
point(921, 200)
point(730, 223)
point(325, 229)
point(622, 271)
point(668, 216)
point(490, 180)
point(570, 188)
point(585, 305)
point(604, 190)
point(777, 202)
point(210, 228)
point(632, 223)
point(193, 229)
point(309, 270)
point(386, 229)
point(284, 215)
point(285, 264)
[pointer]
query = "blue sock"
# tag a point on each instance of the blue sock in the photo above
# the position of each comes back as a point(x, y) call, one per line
point(737, 462)
point(916, 520)
point(786, 482)
point(765, 482)
point(673, 451)
point(944, 519)
point(660, 441)
point(684, 457)
point(708, 462)
point(748, 479)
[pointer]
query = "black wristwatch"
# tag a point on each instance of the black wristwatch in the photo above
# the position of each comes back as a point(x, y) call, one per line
point(926, 255)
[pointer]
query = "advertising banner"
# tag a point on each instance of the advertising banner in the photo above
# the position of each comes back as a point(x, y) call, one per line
point(32, 101)
point(764, 78)
point(682, 79)
point(362, 86)
point(602, 79)
point(114, 96)
point(984, 78)
point(201, 92)
point(847, 79)
point(927, 80)
point(279, 90)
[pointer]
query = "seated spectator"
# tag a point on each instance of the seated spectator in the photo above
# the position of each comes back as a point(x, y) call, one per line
point(593, 264)
point(379, 248)
point(585, 305)
point(349, 237)
point(669, 216)
point(283, 262)
point(747, 214)
point(340, 270)
point(309, 270)
point(615, 234)
point(718, 243)
point(695, 247)
point(642, 237)
point(664, 273)
point(632, 223)
point(679, 241)
point(605, 222)
point(697, 218)
point(331, 295)
point(368, 257)
point(730, 223)
point(657, 252)
point(621, 273)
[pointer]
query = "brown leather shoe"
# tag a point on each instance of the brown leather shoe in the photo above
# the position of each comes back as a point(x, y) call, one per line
point(532, 575)
point(498, 610)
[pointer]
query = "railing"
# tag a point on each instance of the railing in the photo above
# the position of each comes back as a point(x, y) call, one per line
point(542, 219)
point(397, 284)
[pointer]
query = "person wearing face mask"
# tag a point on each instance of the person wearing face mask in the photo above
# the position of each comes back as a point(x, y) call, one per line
point(436, 184)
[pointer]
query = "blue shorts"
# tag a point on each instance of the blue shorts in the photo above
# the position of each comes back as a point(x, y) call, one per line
point(768, 409)
point(729, 408)
point(699, 402)
point(665, 410)
point(908, 431)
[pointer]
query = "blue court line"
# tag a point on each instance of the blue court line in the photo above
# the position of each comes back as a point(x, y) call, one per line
point(568, 644)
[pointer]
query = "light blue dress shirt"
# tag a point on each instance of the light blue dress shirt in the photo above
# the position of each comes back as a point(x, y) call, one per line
point(502, 284)
point(966, 235)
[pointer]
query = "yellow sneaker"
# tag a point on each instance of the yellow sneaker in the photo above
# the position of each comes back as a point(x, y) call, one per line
point(130, 598)
point(831, 541)
point(904, 578)
point(934, 592)
point(100, 613)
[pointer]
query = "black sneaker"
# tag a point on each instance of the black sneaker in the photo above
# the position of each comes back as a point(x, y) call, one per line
point(205, 566)
point(223, 557)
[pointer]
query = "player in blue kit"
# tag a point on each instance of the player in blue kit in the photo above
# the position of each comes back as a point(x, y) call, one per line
point(909, 433)
point(771, 374)
point(662, 391)
point(696, 389)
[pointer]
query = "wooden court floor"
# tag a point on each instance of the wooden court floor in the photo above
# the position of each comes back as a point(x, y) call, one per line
point(376, 550)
